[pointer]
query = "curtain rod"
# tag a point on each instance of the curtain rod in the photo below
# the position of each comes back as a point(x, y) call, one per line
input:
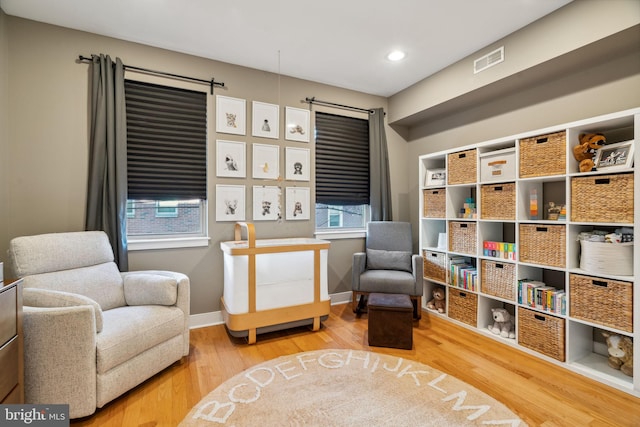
point(211, 82)
point(313, 100)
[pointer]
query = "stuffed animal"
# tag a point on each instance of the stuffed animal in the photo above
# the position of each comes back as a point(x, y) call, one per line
point(620, 352)
point(502, 323)
point(438, 302)
point(586, 149)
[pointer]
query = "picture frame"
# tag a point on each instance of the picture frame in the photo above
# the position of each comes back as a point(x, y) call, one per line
point(230, 202)
point(231, 159)
point(297, 203)
point(265, 120)
point(297, 164)
point(435, 177)
point(266, 161)
point(266, 203)
point(615, 156)
point(297, 124)
point(231, 115)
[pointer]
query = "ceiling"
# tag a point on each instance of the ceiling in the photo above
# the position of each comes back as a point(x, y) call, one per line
point(342, 43)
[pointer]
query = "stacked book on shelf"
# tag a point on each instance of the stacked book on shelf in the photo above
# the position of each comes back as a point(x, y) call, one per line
point(502, 250)
point(462, 274)
point(538, 295)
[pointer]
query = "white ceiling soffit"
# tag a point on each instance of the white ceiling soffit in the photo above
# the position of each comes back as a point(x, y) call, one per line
point(336, 42)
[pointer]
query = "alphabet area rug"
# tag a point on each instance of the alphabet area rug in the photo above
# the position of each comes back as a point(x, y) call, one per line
point(347, 388)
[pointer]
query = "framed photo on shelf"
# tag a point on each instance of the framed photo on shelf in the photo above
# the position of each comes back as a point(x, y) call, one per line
point(297, 202)
point(297, 163)
point(266, 161)
point(231, 159)
point(266, 120)
point(266, 203)
point(230, 202)
point(435, 177)
point(231, 115)
point(297, 124)
point(615, 156)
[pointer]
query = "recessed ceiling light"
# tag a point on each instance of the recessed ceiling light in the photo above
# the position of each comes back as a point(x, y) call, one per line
point(396, 55)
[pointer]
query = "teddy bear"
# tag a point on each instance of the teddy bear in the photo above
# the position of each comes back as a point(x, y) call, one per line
point(438, 302)
point(502, 323)
point(586, 149)
point(620, 352)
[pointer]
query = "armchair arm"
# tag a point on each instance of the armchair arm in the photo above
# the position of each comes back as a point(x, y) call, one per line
point(36, 297)
point(60, 345)
point(417, 262)
point(359, 266)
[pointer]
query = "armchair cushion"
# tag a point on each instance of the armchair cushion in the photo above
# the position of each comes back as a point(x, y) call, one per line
point(34, 297)
point(378, 259)
point(150, 289)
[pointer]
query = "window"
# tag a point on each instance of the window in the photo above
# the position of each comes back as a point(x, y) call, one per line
point(342, 172)
point(166, 161)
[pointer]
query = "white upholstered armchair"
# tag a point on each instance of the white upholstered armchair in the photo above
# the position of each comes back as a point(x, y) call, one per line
point(92, 333)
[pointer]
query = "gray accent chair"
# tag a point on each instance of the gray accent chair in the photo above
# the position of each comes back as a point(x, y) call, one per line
point(92, 333)
point(388, 265)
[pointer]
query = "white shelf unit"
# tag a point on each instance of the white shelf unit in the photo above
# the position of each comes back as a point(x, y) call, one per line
point(583, 348)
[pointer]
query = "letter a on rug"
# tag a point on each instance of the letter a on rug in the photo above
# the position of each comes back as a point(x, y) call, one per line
point(347, 388)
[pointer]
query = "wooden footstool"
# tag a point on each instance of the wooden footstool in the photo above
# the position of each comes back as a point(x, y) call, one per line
point(390, 320)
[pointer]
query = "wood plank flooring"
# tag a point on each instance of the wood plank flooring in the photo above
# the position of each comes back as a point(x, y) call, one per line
point(541, 393)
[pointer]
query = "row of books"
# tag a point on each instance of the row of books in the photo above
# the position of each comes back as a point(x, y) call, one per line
point(538, 295)
point(462, 273)
point(503, 250)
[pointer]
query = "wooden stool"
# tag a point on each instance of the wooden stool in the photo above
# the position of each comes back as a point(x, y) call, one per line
point(390, 320)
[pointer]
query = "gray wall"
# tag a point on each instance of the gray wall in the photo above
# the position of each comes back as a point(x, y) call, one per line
point(45, 148)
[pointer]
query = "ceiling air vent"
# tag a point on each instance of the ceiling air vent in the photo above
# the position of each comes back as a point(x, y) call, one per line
point(489, 60)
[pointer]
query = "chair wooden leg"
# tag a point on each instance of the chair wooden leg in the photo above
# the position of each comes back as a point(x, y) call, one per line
point(417, 307)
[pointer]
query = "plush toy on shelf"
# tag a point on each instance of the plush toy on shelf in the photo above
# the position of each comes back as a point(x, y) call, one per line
point(586, 149)
point(438, 302)
point(620, 350)
point(503, 324)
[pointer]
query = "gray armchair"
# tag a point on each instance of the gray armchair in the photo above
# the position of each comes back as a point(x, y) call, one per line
point(388, 265)
point(92, 333)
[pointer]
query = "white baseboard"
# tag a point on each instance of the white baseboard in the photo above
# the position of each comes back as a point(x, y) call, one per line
point(202, 320)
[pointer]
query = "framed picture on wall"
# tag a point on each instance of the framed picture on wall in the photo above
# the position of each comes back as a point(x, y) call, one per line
point(298, 203)
point(230, 202)
point(231, 115)
point(297, 164)
point(266, 120)
point(231, 159)
point(266, 161)
point(266, 203)
point(297, 124)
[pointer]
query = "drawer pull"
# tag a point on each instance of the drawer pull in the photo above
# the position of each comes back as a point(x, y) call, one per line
point(499, 265)
point(543, 229)
point(462, 155)
point(602, 181)
point(497, 188)
point(434, 255)
point(463, 225)
point(497, 162)
point(600, 283)
point(541, 140)
point(463, 295)
point(434, 192)
point(538, 317)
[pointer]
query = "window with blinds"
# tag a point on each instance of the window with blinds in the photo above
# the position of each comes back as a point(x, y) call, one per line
point(342, 171)
point(166, 159)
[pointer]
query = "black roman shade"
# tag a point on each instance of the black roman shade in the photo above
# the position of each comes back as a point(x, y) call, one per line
point(342, 160)
point(166, 142)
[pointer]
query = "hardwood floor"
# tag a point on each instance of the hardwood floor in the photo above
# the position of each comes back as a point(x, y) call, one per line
point(541, 393)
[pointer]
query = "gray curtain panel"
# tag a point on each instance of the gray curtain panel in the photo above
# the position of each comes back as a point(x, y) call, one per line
point(107, 186)
point(379, 185)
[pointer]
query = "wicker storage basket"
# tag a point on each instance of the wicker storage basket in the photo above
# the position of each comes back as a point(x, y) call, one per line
point(602, 198)
point(462, 237)
point(435, 265)
point(463, 306)
point(543, 244)
point(603, 301)
point(434, 205)
point(462, 167)
point(543, 155)
point(498, 201)
point(541, 332)
point(498, 279)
